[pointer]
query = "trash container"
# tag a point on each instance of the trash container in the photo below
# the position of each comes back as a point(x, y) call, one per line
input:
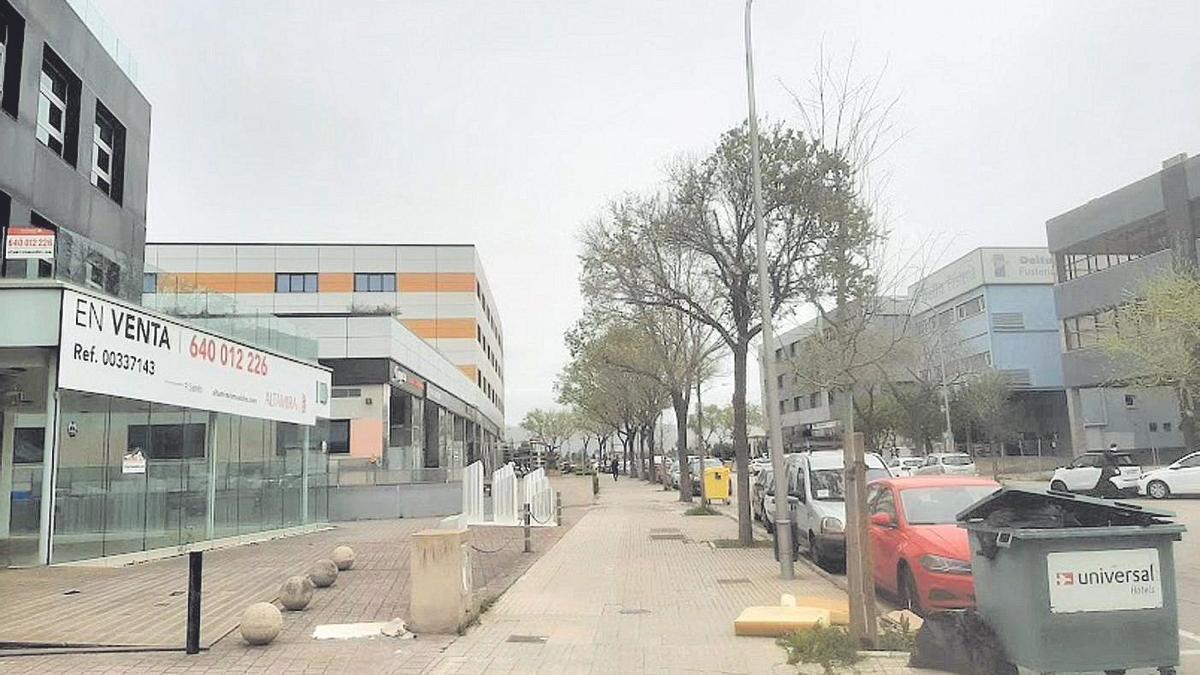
point(1071, 583)
point(716, 483)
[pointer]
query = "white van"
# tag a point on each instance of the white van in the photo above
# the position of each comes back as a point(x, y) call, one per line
point(817, 502)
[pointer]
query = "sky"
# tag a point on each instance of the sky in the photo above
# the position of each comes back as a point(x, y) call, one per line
point(509, 124)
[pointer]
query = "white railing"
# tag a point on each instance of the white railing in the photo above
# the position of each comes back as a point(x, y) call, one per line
point(540, 497)
point(472, 493)
point(505, 496)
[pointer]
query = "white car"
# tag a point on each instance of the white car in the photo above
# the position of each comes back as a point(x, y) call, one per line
point(1180, 478)
point(1104, 473)
point(817, 503)
point(905, 466)
point(947, 464)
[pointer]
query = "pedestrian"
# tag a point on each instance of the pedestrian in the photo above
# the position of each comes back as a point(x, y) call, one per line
point(615, 466)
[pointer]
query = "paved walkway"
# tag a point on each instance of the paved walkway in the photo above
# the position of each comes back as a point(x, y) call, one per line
point(636, 586)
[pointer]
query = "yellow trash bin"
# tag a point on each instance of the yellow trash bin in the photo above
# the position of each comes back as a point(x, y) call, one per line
point(716, 483)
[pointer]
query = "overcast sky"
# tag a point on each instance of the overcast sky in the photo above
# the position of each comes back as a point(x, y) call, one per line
point(508, 124)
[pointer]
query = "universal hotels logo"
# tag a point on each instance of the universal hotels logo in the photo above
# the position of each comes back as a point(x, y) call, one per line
point(1138, 581)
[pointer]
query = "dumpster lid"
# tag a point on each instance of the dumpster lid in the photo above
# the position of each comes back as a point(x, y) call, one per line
point(1088, 511)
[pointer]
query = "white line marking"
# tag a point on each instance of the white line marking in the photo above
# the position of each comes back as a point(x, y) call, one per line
point(1190, 636)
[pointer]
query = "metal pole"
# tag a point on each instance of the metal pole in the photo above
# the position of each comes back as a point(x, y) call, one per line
point(525, 516)
point(700, 446)
point(195, 569)
point(949, 441)
point(783, 529)
point(558, 508)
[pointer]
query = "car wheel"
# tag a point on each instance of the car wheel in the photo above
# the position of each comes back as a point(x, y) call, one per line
point(1158, 489)
point(1058, 486)
point(910, 595)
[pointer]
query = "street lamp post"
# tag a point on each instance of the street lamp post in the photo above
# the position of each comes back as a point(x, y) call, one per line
point(783, 530)
point(948, 434)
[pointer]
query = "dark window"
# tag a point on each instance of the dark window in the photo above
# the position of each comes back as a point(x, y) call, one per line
point(167, 441)
point(339, 436)
point(45, 267)
point(12, 42)
point(1130, 400)
point(108, 154)
point(58, 107)
point(28, 445)
point(296, 282)
point(1154, 426)
point(812, 399)
point(1166, 426)
point(374, 283)
point(149, 282)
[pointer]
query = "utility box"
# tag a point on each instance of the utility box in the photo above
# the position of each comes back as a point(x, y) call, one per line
point(1071, 583)
point(716, 483)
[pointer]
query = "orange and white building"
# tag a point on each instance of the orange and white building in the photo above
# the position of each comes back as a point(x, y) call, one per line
point(411, 332)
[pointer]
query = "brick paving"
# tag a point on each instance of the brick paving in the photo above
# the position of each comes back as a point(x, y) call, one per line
point(133, 605)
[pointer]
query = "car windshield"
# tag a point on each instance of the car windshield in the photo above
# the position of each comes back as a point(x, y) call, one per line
point(956, 460)
point(827, 483)
point(939, 505)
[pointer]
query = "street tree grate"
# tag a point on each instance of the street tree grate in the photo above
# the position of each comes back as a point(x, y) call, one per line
point(532, 639)
point(726, 581)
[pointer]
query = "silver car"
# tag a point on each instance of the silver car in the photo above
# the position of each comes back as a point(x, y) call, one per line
point(947, 464)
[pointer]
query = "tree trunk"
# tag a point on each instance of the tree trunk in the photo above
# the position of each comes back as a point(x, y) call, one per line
point(652, 474)
point(741, 447)
point(1187, 418)
point(680, 402)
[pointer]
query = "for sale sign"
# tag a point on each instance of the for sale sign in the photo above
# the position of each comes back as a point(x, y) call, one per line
point(24, 243)
point(1104, 581)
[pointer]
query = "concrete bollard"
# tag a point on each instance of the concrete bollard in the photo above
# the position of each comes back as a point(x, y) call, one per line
point(440, 576)
point(323, 573)
point(343, 557)
point(525, 515)
point(261, 623)
point(558, 508)
point(296, 593)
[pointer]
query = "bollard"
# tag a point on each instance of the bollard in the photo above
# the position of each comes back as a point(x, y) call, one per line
point(558, 508)
point(525, 514)
point(596, 484)
point(195, 567)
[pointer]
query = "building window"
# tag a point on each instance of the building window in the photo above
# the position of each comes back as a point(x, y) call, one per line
point(167, 441)
point(374, 283)
point(779, 354)
point(108, 154)
point(28, 445)
point(149, 283)
point(1166, 426)
point(796, 403)
point(812, 399)
point(58, 107)
point(971, 307)
point(1130, 401)
point(339, 437)
point(1154, 426)
point(12, 41)
point(779, 381)
point(296, 282)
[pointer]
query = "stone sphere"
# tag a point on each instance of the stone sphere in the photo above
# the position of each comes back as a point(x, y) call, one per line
point(261, 622)
point(323, 573)
point(343, 557)
point(296, 593)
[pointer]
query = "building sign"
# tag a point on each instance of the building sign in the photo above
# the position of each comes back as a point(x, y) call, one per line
point(980, 267)
point(26, 243)
point(1104, 581)
point(445, 399)
point(402, 379)
point(112, 348)
point(133, 461)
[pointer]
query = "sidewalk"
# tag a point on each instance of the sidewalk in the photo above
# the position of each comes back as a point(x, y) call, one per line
point(636, 587)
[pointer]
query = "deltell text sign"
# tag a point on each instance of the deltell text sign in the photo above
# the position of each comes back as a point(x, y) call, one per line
point(1104, 581)
point(112, 348)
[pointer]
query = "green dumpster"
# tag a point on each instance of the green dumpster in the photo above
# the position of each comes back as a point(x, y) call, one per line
point(1071, 583)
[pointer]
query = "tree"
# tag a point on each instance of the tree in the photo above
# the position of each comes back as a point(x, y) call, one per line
point(706, 219)
point(985, 403)
point(551, 428)
point(1153, 340)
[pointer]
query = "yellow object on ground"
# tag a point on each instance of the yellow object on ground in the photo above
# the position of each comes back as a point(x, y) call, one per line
point(777, 621)
point(716, 483)
point(839, 609)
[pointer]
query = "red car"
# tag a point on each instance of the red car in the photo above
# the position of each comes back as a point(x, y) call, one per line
point(918, 552)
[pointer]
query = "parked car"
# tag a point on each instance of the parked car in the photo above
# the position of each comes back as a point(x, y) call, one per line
point(1104, 473)
point(918, 552)
point(947, 464)
point(762, 483)
point(817, 502)
point(905, 466)
point(1179, 478)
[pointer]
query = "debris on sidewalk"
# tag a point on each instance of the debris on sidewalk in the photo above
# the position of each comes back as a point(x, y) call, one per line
point(791, 615)
point(396, 628)
point(959, 642)
point(904, 617)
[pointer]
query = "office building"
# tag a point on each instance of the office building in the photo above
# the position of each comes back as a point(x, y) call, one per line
point(411, 332)
point(123, 431)
point(1103, 251)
